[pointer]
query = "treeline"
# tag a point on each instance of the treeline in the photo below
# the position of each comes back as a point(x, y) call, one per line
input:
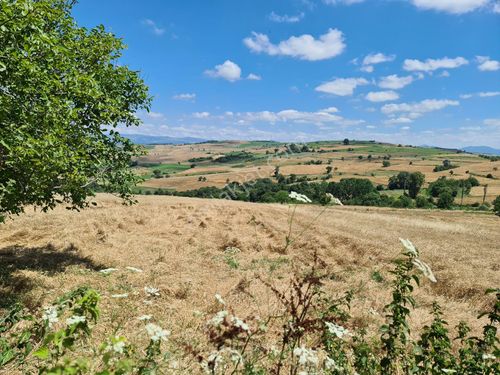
point(350, 191)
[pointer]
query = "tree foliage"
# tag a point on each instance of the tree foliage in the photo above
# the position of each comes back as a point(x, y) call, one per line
point(62, 95)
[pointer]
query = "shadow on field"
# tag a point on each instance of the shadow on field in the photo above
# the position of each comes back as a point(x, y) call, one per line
point(44, 259)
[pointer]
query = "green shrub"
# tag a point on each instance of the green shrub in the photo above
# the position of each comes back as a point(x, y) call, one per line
point(496, 205)
point(445, 200)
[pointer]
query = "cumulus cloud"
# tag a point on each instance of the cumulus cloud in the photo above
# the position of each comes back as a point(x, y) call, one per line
point(450, 6)
point(285, 18)
point(304, 47)
point(482, 94)
point(155, 29)
point(415, 110)
point(430, 65)
point(254, 77)
point(155, 115)
point(373, 59)
point(341, 86)
point(485, 64)
point(394, 82)
point(382, 96)
point(190, 97)
point(398, 120)
point(228, 71)
point(201, 115)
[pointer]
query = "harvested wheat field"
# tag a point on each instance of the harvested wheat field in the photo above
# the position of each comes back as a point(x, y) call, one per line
point(191, 249)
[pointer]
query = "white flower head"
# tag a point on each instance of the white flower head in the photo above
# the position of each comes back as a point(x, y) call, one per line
point(337, 330)
point(237, 322)
point(50, 315)
point(123, 295)
point(75, 319)
point(133, 269)
point(117, 345)
point(219, 299)
point(489, 357)
point(410, 247)
point(299, 197)
point(218, 319)
point(426, 270)
point(330, 364)
point(306, 356)
point(145, 317)
point(156, 333)
point(333, 200)
point(152, 291)
point(107, 271)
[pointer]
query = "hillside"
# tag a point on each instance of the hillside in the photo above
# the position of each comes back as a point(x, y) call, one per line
point(185, 247)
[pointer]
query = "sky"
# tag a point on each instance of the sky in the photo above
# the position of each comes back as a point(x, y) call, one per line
point(420, 72)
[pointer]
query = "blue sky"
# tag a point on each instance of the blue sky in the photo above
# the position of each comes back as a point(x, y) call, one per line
point(405, 71)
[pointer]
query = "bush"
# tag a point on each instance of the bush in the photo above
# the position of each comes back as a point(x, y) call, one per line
point(386, 163)
point(403, 201)
point(496, 205)
point(422, 202)
point(445, 200)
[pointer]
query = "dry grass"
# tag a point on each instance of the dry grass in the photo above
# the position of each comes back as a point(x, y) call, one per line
point(179, 243)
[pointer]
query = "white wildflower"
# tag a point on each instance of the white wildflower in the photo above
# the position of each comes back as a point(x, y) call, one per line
point(426, 270)
point(337, 330)
point(133, 269)
point(219, 299)
point(231, 250)
point(145, 317)
point(156, 333)
point(212, 363)
point(117, 345)
point(489, 356)
point(152, 291)
point(330, 364)
point(306, 356)
point(123, 295)
point(299, 197)
point(75, 319)
point(333, 200)
point(108, 270)
point(409, 246)
point(50, 315)
point(218, 319)
point(237, 322)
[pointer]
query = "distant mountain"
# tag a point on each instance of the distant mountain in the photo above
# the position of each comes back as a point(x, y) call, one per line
point(482, 150)
point(143, 139)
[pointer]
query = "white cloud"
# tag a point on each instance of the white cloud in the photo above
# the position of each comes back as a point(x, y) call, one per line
point(398, 120)
point(155, 115)
point(201, 115)
point(377, 58)
point(286, 18)
point(367, 68)
point(254, 77)
point(430, 65)
point(228, 71)
point(154, 27)
point(450, 6)
point(485, 64)
point(415, 110)
point(382, 96)
point(483, 94)
point(341, 86)
point(304, 47)
point(496, 7)
point(394, 82)
point(445, 74)
point(488, 94)
point(186, 96)
point(330, 110)
point(492, 122)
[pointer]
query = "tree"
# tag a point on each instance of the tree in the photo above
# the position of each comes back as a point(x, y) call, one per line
point(62, 94)
point(328, 169)
point(445, 200)
point(386, 163)
point(346, 142)
point(276, 172)
point(496, 205)
point(415, 182)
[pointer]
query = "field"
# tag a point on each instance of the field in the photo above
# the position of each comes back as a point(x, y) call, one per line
point(344, 159)
point(181, 245)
